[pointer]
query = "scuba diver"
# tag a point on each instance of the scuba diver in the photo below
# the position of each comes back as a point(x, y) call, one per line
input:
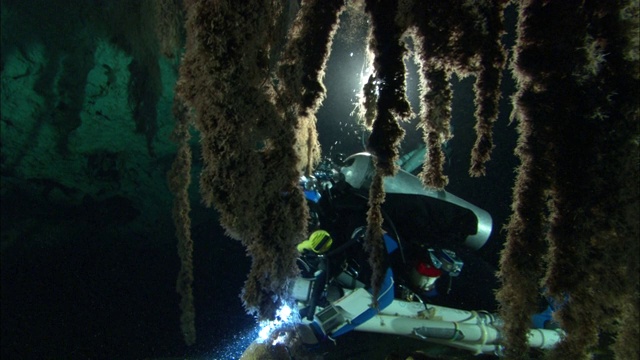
point(430, 237)
point(430, 232)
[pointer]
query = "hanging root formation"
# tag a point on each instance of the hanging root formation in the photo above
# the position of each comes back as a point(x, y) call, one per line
point(578, 121)
point(257, 133)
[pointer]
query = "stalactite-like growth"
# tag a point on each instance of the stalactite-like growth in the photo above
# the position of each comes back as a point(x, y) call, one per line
point(389, 71)
point(302, 70)
point(488, 21)
point(133, 27)
point(303, 63)
point(578, 114)
point(391, 107)
point(179, 181)
point(374, 243)
point(436, 115)
point(250, 129)
point(461, 37)
point(435, 89)
point(248, 159)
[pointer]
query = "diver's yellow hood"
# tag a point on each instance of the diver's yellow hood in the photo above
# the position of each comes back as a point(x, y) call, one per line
point(319, 242)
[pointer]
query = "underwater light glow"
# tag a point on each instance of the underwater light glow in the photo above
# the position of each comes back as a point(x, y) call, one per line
point(283, 317)
point(265, 331)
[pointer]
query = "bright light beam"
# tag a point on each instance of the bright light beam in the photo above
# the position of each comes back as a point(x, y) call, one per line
point(283, 317)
